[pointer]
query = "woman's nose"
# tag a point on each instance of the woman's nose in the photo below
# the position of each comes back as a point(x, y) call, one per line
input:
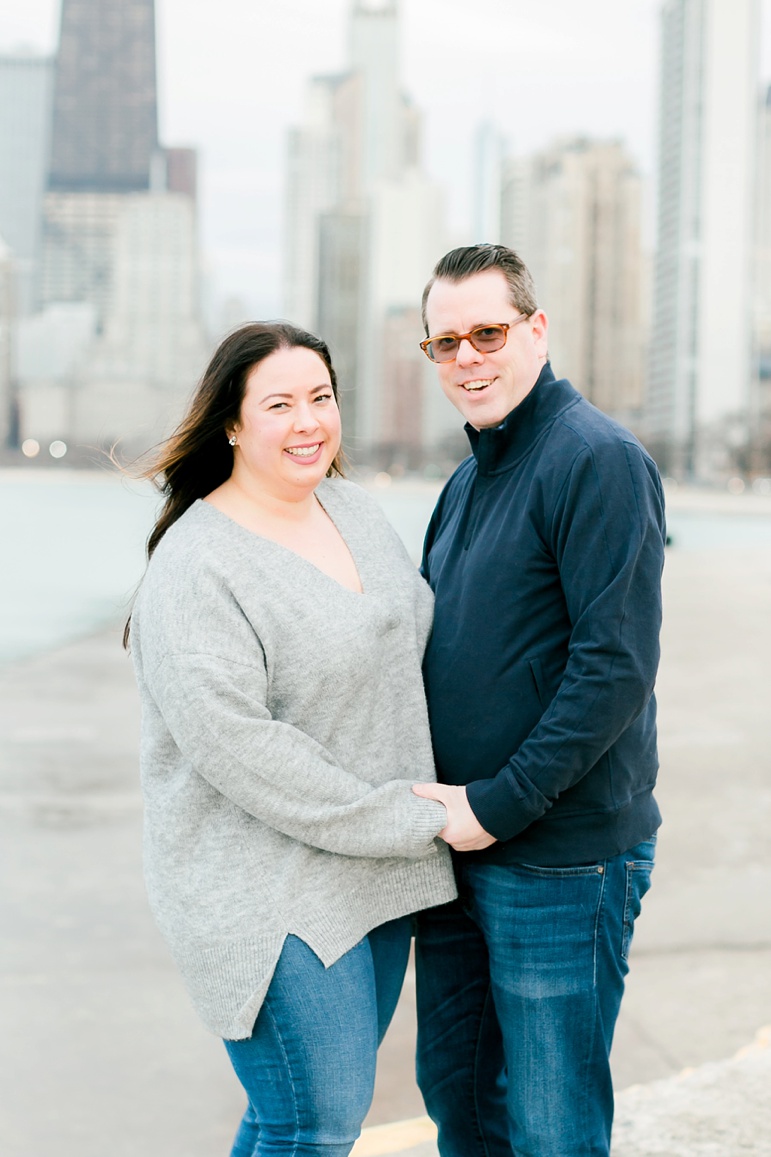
point(305, 418)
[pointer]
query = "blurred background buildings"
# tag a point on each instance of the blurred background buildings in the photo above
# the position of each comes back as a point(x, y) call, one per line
point(101, 333)
point(703, 366)
point(574, 212)
point(365, 225)
point(101, 221)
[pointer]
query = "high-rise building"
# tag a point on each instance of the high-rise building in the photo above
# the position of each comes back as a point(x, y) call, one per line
point(321, 178)
point(488, 178)
point(78, 231)
point(574, 213)
point(362, 232)
point(516, 212)
point(25, 115)
point(120, 247)
point(7, 317)
point(374, 58)
point(405, 240)
point(144, 365)
point(53, 346)
point(701, 366)
point(760, 410)
point(181, 171)
point(104, 142)
point(105, 119)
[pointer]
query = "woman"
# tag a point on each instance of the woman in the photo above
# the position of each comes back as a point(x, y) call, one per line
point(277, 638)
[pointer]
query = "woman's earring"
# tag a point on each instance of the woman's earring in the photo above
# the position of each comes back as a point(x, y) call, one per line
point(232, 440)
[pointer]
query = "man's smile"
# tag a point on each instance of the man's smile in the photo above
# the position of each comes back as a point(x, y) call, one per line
point(478, 384)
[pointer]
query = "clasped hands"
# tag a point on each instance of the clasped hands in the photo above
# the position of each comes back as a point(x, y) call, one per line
point(463, 831)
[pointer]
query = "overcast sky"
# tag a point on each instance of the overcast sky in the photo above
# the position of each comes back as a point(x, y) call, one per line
point(232, 74)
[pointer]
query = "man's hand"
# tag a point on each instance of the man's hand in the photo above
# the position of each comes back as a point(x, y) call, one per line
point(463, 831)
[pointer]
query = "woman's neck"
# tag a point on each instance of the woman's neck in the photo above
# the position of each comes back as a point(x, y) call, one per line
point(244, 499)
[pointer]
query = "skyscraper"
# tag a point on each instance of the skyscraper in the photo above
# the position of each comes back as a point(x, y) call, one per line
point(120, 248)
point(760, 411)
point(25, 115)
point(574, 212)
point(104, 142)
point(105, 120)
point(488, 178)
point(7, 309)
point(374, 57)
point(363, 230)
point(701, 371)
point(146, 361)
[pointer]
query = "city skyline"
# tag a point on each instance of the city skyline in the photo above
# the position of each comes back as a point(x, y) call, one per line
point(703, 359)
point(364, 223)
point(104, 130)
point(604, 58)
point(118, 267)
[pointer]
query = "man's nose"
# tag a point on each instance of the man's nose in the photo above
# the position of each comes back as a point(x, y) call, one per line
point(467, 355)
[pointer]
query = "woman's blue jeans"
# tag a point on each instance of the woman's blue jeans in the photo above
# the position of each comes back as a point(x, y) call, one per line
point(519, 984)
point(309, 1066)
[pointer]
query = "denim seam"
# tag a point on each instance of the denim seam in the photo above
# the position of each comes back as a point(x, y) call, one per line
point(475, 1082)
point(591, 1037)
point(598, 920)
point(280, 1039)
point(546, 873)
point(587, 1065)
point(627, 924)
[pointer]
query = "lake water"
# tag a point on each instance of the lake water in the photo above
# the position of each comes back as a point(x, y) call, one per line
point(73, 548)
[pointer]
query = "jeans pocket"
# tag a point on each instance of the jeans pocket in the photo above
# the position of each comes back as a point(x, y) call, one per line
point(561, 873)
point(638, 881)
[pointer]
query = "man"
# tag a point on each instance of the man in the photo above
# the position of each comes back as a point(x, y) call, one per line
point(545, 553)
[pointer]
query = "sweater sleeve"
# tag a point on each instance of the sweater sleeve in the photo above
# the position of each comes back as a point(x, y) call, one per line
point(214, 709)
point(607, 536)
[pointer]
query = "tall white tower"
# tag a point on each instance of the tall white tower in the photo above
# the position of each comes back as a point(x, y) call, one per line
point(760, 411)
point(488, 178)
point(363, 229)
point(574, 213)
point(701, 368)
point(374, 55)
point(25, 116)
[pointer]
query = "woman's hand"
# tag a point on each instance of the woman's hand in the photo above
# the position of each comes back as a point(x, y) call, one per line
point(463, 830)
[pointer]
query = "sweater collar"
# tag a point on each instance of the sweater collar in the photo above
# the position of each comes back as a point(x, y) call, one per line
point(499, 447)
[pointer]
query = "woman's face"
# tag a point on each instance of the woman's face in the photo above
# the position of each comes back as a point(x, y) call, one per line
point(288, 432)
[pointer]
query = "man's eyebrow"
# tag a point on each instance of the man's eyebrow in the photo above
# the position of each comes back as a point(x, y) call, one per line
point(454, 332)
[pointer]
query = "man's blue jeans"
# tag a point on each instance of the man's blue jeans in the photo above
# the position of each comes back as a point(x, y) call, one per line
point(309, 1066)
point(519, 984)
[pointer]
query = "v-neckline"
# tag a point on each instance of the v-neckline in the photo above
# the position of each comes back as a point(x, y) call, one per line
point(294, 554)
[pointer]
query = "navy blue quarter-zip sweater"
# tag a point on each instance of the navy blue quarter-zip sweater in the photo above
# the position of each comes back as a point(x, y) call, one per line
point(545, 554)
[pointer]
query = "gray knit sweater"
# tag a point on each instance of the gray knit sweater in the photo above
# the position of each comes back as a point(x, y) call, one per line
point(283, 722)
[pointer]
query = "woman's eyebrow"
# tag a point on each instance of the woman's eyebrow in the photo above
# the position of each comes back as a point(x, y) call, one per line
point(313, 390)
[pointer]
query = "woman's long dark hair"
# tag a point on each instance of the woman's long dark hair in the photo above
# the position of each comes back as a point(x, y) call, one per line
point(197, 457)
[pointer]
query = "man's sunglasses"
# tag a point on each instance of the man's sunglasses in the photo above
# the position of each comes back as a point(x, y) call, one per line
point(485, 339)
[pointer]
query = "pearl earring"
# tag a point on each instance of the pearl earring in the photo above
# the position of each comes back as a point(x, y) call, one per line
point(232, 440)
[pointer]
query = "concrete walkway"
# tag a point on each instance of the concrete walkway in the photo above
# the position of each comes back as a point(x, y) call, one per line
point(100, 1052)
point(721, 1109)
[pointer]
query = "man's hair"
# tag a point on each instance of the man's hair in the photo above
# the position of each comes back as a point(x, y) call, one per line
point(461, 263)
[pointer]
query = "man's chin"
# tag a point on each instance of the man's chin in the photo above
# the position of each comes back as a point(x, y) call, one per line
point(483, 417)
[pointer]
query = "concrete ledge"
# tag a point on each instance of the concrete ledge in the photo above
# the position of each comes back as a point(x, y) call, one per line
point(722, 1109)
point(414, 1138)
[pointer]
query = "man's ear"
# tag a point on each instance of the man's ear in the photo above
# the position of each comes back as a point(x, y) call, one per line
point(540, 331)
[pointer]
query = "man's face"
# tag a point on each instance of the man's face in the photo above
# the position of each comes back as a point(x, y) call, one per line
point(485, 387)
